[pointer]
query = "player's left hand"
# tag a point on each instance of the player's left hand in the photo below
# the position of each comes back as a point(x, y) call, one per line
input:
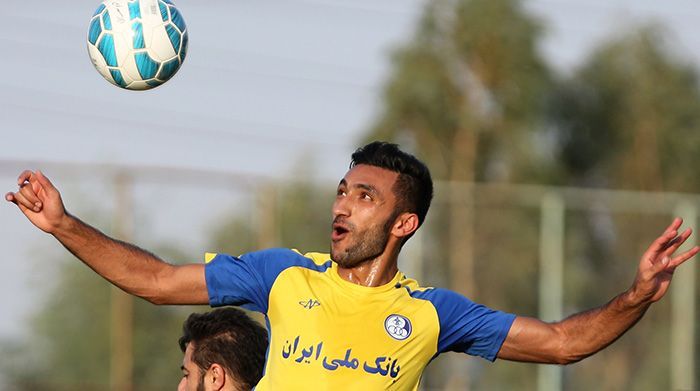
point(658, 263)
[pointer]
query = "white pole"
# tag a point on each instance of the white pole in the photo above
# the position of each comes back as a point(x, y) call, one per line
point(122, 304)
point(683, 310)
point(549, 377)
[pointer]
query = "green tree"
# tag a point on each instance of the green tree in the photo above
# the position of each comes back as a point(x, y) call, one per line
point(629, 118)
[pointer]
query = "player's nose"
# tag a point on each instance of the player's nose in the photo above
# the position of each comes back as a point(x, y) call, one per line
point(341, 207)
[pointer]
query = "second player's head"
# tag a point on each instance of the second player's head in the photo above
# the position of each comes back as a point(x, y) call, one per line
point(224, 350)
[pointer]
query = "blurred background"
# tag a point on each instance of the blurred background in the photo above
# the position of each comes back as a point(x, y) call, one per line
point(562, 136)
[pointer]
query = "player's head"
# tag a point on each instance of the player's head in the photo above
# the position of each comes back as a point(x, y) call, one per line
point(381, 201)
point(413, 187)
point(224, 350)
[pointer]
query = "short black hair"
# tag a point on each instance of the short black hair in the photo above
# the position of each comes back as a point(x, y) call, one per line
point(228, 337)
point(414, 186)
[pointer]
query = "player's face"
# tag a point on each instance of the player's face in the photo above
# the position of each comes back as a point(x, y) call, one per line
point(363, 214)
point(192, 376)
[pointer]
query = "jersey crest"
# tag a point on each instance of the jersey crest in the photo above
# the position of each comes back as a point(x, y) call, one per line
point(398, 326)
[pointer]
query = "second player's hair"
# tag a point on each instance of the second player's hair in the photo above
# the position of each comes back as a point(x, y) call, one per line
point(230, 338)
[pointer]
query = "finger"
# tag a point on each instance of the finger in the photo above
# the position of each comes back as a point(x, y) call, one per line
point(675, 224)
point(678, 260)
point(24, 209)
point(661, 243)
point(44, 181)
point(674, 244)
point(10, 197)
point(28, 192)
point(24, 176)
point(672, 230)
point(23, 201)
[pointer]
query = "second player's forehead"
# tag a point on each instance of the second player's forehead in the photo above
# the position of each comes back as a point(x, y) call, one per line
point(187, 362)
point(369, 177)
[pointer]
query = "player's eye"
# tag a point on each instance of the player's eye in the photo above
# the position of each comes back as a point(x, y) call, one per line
point(366, 196)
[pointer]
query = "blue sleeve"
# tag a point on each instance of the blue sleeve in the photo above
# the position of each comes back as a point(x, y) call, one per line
point(466, 326)
point(246, 280)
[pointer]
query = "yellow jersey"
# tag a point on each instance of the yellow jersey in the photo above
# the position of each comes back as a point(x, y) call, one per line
point(330, 334)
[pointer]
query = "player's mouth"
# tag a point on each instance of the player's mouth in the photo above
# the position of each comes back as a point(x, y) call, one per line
point(340, 231)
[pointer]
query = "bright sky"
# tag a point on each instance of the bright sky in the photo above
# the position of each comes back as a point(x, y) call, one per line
point(265, 84)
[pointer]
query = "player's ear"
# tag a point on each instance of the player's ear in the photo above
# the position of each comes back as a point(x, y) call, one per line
point(216, 377)
point(405, 224)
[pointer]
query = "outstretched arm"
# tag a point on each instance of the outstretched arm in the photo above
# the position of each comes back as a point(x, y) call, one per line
point(586, 333)
point(132, 269)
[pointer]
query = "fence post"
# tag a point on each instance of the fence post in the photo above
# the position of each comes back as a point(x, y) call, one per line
point(122, 304)
point(683, 310)
point(549, 377)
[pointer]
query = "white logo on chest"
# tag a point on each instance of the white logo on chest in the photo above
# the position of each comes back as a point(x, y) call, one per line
point(398, 326)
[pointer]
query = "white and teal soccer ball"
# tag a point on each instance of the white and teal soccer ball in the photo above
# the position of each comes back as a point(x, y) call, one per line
point(137, 44)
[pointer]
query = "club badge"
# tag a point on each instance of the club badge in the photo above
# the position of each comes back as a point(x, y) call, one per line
point(398, 326)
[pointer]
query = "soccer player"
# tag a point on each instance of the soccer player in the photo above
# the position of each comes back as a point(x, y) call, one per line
point(224, 351)
point(351, 319)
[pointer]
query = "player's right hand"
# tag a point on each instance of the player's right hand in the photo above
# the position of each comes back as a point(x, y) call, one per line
point(39, 200)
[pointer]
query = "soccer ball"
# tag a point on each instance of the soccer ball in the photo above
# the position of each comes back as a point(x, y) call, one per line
point(137, 44)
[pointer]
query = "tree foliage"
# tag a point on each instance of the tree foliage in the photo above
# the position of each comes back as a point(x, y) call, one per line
point(467, 81)
point(630, 117)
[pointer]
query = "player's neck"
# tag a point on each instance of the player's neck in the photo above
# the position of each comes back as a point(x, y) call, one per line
point(372, 272)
